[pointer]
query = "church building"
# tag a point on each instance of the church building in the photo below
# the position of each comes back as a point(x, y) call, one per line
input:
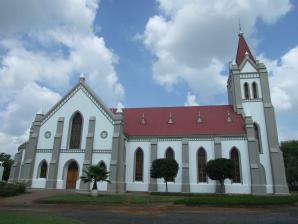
point(80, 130)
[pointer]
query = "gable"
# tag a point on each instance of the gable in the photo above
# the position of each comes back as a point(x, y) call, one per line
point(248, 67)
point(89, 93)
point(80, 99)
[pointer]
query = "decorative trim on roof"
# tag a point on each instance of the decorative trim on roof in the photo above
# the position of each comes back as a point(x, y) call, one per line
point(222, 138)
point(249, 75)
point(253, 100)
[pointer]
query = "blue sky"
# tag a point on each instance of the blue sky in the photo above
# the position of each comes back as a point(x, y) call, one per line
point(140, 54)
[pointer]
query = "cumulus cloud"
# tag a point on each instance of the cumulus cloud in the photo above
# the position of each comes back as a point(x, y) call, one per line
point(284, 80)
point(191, 100)
point(45, 45)
point(192, 40)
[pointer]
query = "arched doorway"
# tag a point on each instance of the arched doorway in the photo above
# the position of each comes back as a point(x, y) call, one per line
point(72, 175)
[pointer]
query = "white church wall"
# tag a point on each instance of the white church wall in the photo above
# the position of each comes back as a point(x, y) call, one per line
point(38, 182)
point(62, 168)
point(244, 187)
point(131, 184)
point(195, 186)
point(162, 146)
point(106, 158)
point(255, 109)
point(78, 102)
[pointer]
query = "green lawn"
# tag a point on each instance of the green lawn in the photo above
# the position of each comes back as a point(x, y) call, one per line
point(111, 199)
point(33, 218)
point(188, 199)
point(238, 200)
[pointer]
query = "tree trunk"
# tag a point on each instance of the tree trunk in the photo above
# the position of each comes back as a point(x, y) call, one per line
point(166, 186)
point(221, 186)
point(94, 187)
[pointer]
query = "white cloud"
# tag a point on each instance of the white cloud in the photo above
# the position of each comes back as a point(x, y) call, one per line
point(191, 100)
point(283, 85)
point(284, 80)
point(17, 115)
point(192, 40)
point(45, 45)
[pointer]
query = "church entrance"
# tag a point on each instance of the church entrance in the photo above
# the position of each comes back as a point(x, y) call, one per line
point(72, 175)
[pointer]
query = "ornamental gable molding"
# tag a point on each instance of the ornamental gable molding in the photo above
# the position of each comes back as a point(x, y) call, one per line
point(89, 93)
point(247, 60)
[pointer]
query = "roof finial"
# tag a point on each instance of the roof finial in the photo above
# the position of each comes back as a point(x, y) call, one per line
point(199, 119)
point(171, 120)
point(82, 77)
point(240, 28)
point(143, 120)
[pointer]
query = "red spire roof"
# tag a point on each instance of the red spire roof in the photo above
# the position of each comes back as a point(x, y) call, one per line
point(179, 121)
point(242, 49)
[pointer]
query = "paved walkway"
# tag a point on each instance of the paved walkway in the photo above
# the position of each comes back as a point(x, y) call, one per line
point(31, 196)
point(152, 213)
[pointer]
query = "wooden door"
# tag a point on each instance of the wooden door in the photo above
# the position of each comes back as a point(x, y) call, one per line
point(72, 176)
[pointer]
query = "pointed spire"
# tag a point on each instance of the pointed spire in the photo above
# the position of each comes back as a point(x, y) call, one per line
point(243, 49)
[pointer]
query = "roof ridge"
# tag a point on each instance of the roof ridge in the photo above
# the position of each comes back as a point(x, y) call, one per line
point(174, 107)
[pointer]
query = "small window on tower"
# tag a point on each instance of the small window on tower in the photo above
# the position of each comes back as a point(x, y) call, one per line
point(255, 90)
point(246, 91)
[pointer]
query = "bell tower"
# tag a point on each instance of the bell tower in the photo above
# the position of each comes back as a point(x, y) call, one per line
point(249, 93)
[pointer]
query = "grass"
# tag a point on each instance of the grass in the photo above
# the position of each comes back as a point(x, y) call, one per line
point(187, 199)
point(238, 200)
point(33, 218)
point(110, 199)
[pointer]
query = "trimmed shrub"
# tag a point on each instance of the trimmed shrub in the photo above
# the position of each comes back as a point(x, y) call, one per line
point(11, 189)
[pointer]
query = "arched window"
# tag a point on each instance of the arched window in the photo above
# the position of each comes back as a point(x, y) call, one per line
point(43, 170)
point(255, 90)
point(202, 165)
point(246, 91)
point(102, 165)
point(139, 160)
point(76, 131)
point(235, 157)
point(258, 138)
point(170, 153)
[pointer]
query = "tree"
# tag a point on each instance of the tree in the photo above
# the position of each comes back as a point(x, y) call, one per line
point(7, 163)
point(220, 169)
point(95, 173)
point(290, 153)
point(164, 168)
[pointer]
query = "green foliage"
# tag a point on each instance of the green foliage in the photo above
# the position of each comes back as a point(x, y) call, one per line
point(95, 173)
point(290, 153)
point(33, 218)
point(177, 198)
point(164, 168)
point(7, 163)
point(11, 189)
point(108, 199)
point(220, 169)
point(233, 200)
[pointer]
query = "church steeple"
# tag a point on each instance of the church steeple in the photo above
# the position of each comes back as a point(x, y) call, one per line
point(243, 50)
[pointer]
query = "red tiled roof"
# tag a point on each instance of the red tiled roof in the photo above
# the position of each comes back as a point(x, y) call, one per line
point(214, 121)
point(242, 49)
